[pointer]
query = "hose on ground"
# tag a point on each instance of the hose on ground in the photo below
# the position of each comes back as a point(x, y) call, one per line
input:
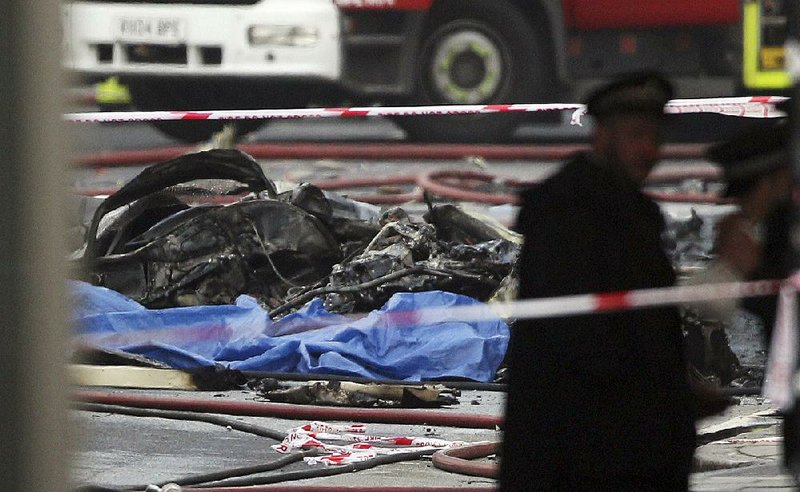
point(446, 461)
point(440, 183)
point(183, 415)
point(339, 488)
point(297, 412)
point(457, 460)
point(381, 150)
point(242, 471)
point(213, 476)
point(319, 472)
point(430, 182)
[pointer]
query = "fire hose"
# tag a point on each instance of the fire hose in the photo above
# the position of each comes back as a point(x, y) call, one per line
point(464, 185)
point(397, 151)
point(455, 460)
point(295, 412)
point(471, 186)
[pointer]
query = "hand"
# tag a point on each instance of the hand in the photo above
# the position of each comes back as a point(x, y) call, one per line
point(707, 400)
point(738, 245)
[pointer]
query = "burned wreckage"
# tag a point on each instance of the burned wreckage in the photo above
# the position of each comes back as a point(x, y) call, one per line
point(204, 228)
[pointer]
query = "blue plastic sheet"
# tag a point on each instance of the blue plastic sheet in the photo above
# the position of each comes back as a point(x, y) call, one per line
point(385, 344)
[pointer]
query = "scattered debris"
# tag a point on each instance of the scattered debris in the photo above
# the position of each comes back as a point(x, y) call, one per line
point(346, 393)
point(708, 349)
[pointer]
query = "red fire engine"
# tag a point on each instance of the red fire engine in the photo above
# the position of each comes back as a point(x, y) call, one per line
point(478, 51)
point(196, 54)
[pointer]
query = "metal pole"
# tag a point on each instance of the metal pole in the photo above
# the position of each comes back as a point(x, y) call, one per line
point(791, 429)
point(792, 64)
point(792, 57)
point(33, 424)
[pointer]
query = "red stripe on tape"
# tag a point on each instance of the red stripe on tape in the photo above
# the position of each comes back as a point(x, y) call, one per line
point(345, 112)
point(612, 301)
point(195, 116)
point(761, 99)
point(351, 112)
point(504, 108)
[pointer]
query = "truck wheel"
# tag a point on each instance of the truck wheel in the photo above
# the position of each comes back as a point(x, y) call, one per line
point(160, 96)
point(478, 52)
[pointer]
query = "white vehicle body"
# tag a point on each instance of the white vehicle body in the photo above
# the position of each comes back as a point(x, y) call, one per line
point(269, 38)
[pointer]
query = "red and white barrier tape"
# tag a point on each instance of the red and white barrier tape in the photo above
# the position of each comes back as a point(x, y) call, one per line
point(779, 376)
point(598, 303)
point(750, 107)
point(523, 309)
point(365, 446)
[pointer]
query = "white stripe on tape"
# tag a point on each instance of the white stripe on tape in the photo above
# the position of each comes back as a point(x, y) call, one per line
point(751, 107)
point(606, 302)
point(524, 309)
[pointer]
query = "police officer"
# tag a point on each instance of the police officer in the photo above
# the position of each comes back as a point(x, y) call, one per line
point(599, 402)
point(753, 242)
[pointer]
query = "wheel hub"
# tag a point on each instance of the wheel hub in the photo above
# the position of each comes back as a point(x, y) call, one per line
point(467, 68)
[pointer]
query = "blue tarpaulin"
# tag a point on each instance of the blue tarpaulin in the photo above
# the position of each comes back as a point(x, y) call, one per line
point(386, 344)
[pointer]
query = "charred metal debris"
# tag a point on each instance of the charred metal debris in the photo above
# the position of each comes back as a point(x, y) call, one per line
point(352, 394)
point(207, 227)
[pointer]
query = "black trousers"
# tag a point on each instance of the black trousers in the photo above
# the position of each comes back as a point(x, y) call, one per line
point(666, 480)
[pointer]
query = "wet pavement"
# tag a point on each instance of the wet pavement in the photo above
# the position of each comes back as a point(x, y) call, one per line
point(742, 449)
point(750, 457)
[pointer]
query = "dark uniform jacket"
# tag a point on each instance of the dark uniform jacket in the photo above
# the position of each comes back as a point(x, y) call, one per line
point(777, 261)
point(594, 401)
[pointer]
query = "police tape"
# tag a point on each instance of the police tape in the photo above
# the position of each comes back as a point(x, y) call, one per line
point(364, 447)
point(595, 303)
point(750, 107)
point(494, 313)
point(550, 307)
point(780, 386)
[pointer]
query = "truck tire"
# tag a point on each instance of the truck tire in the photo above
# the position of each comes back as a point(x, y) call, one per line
point(178, 95)
point(478, 52)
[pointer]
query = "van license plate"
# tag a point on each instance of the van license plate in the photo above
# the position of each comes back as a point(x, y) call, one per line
point(158, 30)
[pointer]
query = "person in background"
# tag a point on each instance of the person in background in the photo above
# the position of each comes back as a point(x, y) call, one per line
point(601, 401)
point(753, 242)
